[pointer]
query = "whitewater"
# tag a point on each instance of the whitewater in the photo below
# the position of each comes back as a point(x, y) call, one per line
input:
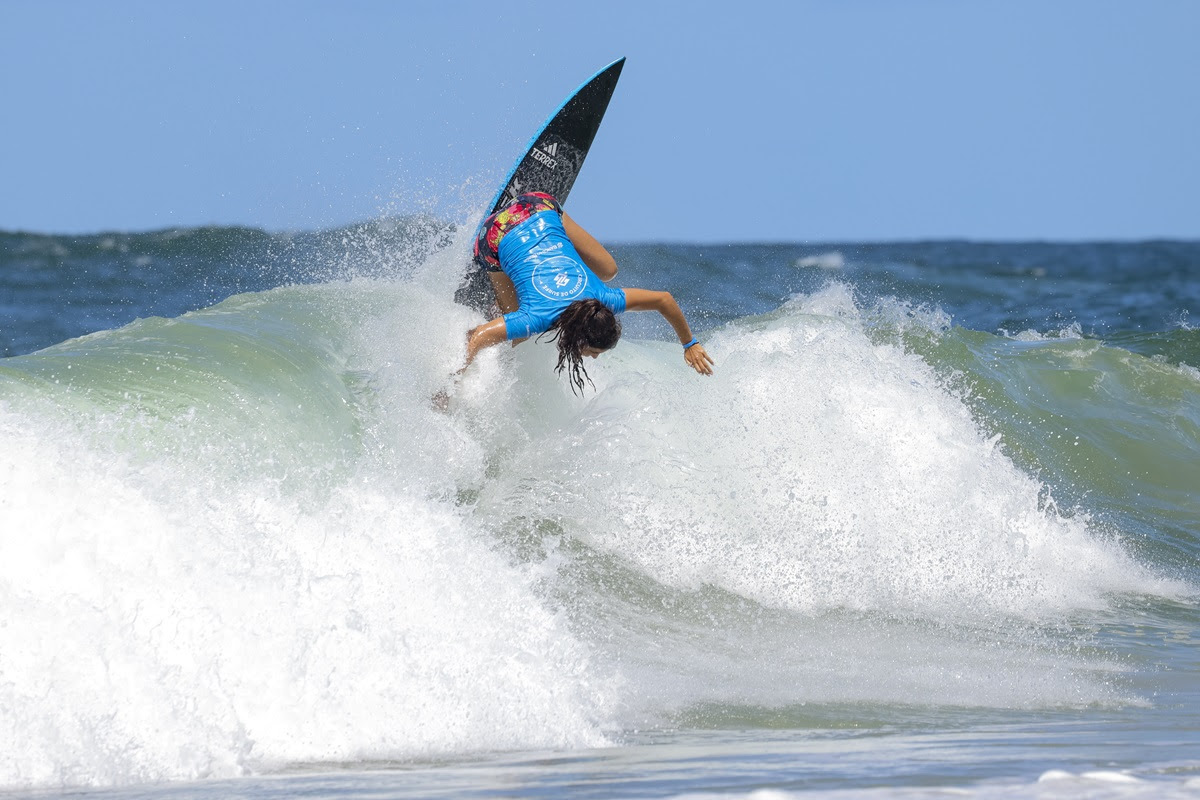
point(881, 552)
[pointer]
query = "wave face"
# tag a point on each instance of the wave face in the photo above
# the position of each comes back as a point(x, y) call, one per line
point(240, 538)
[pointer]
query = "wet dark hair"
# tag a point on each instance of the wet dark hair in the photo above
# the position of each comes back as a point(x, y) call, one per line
point(584, 323)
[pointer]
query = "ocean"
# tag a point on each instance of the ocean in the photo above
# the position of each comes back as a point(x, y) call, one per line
point(931, 530)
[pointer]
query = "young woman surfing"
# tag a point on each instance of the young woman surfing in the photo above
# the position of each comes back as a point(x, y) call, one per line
point(548, 274)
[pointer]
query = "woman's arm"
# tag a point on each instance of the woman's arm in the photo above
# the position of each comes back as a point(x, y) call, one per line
point(664, 303)
point(481, 337)
point(599, 260)
point(478, 338)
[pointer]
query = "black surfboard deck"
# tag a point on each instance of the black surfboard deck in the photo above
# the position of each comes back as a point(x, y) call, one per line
point(551, 164)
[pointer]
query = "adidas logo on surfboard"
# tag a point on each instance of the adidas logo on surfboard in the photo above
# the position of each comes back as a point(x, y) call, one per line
point(545, 154)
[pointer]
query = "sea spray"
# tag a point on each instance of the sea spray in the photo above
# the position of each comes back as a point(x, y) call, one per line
point(193, 588)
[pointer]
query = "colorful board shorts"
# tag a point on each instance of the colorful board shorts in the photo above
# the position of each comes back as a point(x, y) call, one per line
point(487, 245)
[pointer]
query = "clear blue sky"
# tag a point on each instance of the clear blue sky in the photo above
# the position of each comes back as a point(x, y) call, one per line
point(737, 121)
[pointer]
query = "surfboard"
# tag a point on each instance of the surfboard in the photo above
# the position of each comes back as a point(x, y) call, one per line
point(551, 163)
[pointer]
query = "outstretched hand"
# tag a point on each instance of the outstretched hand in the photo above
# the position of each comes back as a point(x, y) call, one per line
point(698, 359)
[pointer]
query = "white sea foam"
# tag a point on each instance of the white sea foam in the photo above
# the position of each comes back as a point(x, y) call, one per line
point(832, 478)
point(530, 570)
point(1054, 785)
point(165, 630)
point(833, 260)
point(1070, 331)
point(820, 470)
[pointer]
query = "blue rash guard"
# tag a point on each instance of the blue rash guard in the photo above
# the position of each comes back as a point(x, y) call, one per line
point(549, 275)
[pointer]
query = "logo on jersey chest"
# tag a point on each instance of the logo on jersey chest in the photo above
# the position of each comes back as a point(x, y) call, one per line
point(559, 278)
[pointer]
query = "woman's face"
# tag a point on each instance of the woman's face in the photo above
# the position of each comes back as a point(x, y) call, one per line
point(590, 352)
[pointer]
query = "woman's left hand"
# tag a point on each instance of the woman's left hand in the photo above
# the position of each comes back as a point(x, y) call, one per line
point(698, 360)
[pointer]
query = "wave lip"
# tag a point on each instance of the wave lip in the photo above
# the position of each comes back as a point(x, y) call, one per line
point(827, 471)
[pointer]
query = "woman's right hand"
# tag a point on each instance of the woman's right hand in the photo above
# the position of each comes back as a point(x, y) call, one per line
point(698, 359)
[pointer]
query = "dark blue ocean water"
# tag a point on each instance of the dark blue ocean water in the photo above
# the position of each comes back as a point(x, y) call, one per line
point(56, 287)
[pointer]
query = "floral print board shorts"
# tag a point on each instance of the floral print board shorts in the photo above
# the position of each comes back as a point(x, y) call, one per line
point(487, 244)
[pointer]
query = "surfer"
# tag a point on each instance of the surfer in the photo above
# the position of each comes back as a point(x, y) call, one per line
point(548, 274)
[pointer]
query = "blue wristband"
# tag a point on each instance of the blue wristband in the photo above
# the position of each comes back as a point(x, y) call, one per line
point(694, 341)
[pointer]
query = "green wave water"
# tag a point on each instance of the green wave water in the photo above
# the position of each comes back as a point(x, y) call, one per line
point(1112, 430)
